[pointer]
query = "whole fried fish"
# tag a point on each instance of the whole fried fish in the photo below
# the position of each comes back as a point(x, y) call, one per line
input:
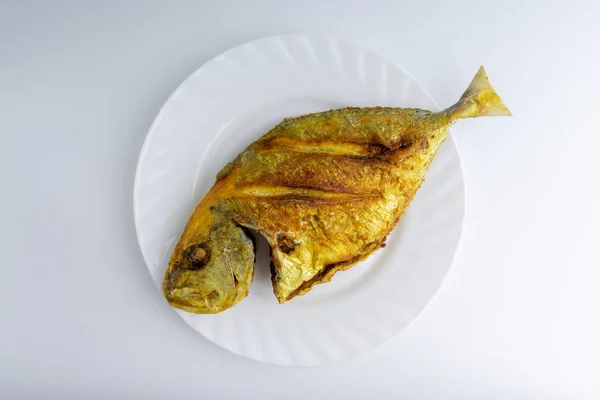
point(324, 189)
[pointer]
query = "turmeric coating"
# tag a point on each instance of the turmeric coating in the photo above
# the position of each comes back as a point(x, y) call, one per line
point(324, 189)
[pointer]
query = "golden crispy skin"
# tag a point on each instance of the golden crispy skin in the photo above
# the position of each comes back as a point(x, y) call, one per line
point(324, 189)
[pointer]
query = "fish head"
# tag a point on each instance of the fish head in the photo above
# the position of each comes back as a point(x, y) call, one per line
point(209, 275)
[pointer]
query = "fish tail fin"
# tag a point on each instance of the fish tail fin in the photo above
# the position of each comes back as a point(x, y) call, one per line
point(479, 100)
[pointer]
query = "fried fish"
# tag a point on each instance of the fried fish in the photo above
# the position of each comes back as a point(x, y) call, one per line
point(324, 189)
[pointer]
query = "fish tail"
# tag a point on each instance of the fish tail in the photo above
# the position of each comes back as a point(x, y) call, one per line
point(479, 100)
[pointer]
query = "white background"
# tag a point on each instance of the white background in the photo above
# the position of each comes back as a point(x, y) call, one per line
point(80, 83)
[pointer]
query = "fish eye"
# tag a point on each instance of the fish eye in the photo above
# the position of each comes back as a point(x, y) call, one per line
point(197, 254)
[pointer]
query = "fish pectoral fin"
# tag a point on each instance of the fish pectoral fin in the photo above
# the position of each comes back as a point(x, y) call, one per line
point(288, 283)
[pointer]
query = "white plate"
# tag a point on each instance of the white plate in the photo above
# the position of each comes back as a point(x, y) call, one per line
point(227, 104)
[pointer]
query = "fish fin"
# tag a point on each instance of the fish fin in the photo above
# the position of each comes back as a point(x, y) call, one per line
point(479, 100)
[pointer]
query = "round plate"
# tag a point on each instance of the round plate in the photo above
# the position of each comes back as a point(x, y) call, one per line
point(226, 105)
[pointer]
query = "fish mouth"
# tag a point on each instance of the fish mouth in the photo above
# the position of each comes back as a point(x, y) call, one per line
point(191, 290)
point(193, 300)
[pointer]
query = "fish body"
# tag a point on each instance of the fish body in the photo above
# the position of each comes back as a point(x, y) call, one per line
point(324, 189)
